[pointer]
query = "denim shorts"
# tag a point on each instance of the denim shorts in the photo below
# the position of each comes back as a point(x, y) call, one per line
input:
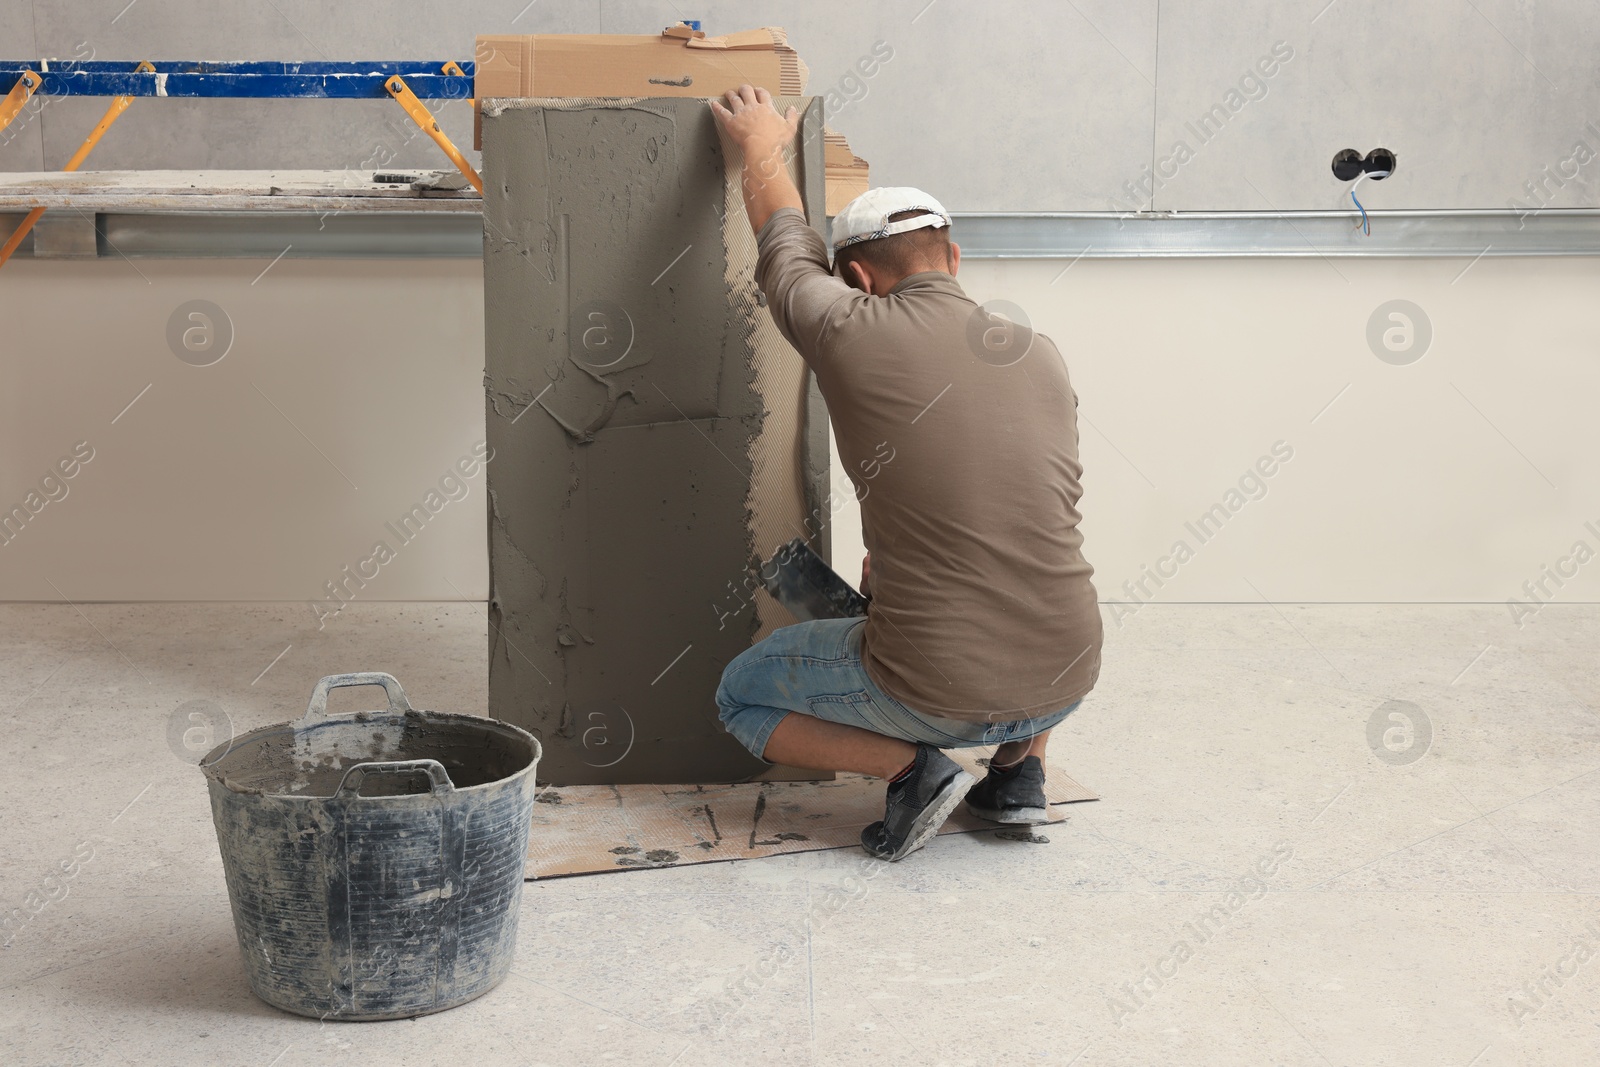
point(815, 668)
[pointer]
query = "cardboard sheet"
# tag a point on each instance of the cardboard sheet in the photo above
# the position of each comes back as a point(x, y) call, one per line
point(676, 62)
point(847, 176)
point(592, 829)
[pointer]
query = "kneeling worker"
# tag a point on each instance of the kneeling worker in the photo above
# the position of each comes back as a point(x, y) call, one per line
point(959, 431)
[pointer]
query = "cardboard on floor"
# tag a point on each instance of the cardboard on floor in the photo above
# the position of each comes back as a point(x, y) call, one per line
point(592, 829)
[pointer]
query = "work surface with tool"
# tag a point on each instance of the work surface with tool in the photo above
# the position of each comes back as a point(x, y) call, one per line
point(1405, 902)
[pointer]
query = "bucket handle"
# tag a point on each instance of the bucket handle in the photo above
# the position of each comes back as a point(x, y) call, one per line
point(350, 784)
point(317, 709)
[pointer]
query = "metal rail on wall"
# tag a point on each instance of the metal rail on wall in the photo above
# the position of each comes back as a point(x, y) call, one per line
point(1399, 233)
point(408, 83)
point(339, 223)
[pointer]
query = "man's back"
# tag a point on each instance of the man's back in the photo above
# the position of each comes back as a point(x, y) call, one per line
point(968, 475)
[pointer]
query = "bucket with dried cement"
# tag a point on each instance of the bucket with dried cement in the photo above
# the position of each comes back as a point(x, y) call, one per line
point(374, 861)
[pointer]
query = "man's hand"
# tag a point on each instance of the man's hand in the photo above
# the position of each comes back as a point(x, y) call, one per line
point(753, 123)
point(762, 134)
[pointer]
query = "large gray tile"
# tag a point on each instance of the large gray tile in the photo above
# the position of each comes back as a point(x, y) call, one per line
point(269, 134)
point(1085, 117)
point(1474, 99)
point(21, 141)
point(1006, 106)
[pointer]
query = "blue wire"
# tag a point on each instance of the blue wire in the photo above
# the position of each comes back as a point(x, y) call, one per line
point(1366, 226)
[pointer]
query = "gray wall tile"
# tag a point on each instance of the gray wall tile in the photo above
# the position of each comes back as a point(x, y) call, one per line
point(16, 29)
point(271, 134)
point(1005, 106)
point(20, 143)
point(945, 112)
point(1475, 99)
point(191, 134)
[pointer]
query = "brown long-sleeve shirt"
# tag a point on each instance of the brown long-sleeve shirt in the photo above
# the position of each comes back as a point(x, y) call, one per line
point(968, 475)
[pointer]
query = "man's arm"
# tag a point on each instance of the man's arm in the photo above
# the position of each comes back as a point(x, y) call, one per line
point(792, 271)
point(762, 134)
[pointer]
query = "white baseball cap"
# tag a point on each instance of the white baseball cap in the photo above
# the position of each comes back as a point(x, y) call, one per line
point(866, 218)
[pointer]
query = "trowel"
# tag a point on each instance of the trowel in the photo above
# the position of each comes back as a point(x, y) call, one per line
point(798, 579)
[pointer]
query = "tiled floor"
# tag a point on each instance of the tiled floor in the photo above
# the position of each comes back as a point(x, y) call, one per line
point(1270, 879)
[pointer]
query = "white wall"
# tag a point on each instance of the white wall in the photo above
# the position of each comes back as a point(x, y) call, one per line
point(1451, 478)
point(350, 390)
point(1456, 477)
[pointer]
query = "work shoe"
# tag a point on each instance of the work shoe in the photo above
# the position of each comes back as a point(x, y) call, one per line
point(1015, 795)
point(917, 805)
